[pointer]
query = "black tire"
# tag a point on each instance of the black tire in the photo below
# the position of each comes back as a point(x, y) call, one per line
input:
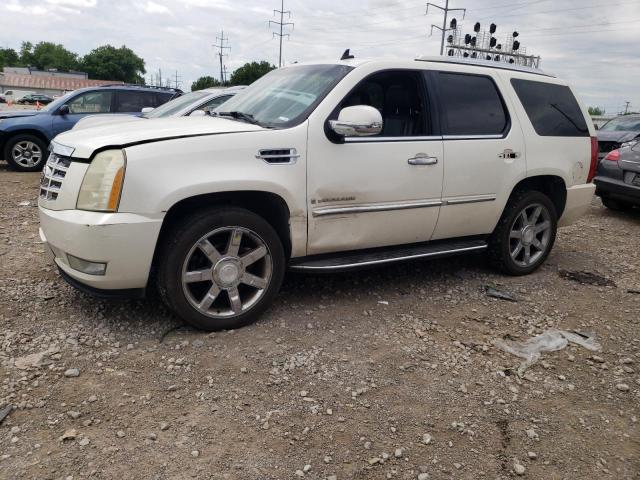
point(501, 244)
point(616, 205)
point(23, 165)
point(179, 247)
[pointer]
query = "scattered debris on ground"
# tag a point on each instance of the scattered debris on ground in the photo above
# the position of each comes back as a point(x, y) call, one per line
point(587, 278)
point(388, 373)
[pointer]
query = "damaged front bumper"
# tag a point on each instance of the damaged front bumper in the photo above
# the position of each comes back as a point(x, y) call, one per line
point(101, 251)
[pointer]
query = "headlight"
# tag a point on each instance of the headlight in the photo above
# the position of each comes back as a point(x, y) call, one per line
point(102, 184)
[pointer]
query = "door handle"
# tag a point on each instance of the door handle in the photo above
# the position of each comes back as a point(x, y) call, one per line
point(508, 153)
point(422, 159)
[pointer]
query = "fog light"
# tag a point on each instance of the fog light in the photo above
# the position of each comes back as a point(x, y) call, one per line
point(84, 266)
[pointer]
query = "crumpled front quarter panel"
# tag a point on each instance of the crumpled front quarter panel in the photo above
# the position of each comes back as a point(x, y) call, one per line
point(161, 174)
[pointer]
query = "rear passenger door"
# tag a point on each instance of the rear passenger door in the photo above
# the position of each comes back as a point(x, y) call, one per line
point(484, 152)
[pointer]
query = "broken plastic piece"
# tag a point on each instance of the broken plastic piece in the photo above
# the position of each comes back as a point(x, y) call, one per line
point(549, 341)
point(492, 292)
point(4, 413)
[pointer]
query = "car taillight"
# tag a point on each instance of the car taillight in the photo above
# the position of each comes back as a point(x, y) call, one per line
point(594, 159)
point(613, 156)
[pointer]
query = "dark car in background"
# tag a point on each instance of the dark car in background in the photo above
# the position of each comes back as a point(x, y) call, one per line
point(25, 134)
point(618, 178)
point(35, 99)
point(616, 132)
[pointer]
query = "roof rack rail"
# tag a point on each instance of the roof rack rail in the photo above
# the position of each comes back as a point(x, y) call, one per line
point(484, 63)
point(154, 87)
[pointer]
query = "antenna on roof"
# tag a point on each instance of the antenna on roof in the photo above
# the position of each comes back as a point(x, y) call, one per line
point(347, 55)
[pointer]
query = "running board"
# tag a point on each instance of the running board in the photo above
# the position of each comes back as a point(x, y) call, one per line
point(337, 262)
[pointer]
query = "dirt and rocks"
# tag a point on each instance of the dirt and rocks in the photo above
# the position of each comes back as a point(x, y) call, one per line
point(389, 373)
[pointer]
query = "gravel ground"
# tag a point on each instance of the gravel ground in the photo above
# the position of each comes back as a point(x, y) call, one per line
point(388, 373)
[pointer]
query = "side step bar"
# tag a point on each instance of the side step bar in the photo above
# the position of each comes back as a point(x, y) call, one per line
point(345, 261)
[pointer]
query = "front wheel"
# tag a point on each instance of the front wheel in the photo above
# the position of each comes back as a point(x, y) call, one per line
point(525, 234)
point(221, 268)
point(26, 153)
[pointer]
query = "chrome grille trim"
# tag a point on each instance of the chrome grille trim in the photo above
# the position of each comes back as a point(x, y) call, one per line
point(53, 174)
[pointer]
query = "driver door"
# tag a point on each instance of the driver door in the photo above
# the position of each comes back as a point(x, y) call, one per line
point(87, 103)
point(383, 190)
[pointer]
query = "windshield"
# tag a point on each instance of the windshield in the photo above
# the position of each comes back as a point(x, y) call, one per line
point(622, 124)
point(176, 105)
point(285, 97)
point(57, 102)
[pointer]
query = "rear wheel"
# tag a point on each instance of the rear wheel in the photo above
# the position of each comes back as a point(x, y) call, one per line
point(221, 268)
point(616, 205)
point(525, 234)
point(26, 153)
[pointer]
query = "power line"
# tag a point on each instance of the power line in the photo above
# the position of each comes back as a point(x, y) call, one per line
point(444, 28)
point(282, 24)
point(221, 49)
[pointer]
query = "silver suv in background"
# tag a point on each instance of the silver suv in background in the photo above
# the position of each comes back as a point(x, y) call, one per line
point(199, 102)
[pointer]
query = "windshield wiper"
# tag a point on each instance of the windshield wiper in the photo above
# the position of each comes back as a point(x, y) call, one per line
point(244, 117)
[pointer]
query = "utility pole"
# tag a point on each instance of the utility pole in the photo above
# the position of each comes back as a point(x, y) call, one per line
point(626, 107)
point(444, 28)
point(221, 48)
point(159, 77)
point(281, 24)
point(177, 80)
point(225, 71)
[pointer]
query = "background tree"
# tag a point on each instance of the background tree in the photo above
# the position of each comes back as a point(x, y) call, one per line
point(111, 63)
point(48, 55)
point(250, 72)
point(204, 82)
point(596, 111)
point(26, 54)
point(8, 58)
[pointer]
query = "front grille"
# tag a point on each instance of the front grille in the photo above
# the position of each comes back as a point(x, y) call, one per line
point(52, 176)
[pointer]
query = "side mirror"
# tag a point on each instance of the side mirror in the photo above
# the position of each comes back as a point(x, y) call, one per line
point(198, 113)
point(357, 121)
point(64, 110)
point(146, 110)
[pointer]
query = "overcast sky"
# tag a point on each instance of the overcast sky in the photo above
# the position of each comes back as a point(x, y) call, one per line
point(594, 44)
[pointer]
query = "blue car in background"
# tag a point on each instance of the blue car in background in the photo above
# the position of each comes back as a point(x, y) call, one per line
point(25, 134)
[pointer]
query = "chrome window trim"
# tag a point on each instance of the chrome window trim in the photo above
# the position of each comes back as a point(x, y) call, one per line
point(392, 139)
point(473, 137)
point(348, 209)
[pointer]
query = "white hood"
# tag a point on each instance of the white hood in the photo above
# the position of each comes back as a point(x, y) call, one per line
point(86, 141)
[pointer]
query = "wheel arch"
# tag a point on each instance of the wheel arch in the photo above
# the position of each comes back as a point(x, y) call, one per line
point(27, 131)
point(270, 206)
point(553, 186)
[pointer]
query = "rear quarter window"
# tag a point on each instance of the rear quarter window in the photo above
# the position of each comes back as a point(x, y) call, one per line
point(471, 105)
point(552, 109)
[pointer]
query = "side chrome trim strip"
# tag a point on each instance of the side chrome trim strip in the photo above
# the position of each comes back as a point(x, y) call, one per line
point(321, 212)
point(462, 201)
point(302, 267)
point(391, 139)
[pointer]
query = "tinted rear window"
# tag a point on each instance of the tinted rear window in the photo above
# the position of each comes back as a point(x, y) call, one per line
point(552, 109)
point(472, 105)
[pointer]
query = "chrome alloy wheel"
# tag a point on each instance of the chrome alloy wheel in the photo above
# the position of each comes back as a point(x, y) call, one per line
point(226, 272)
point(530, 235)
point(26, 153)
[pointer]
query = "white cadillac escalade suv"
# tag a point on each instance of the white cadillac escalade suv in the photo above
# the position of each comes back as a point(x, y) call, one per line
point(320, 167)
